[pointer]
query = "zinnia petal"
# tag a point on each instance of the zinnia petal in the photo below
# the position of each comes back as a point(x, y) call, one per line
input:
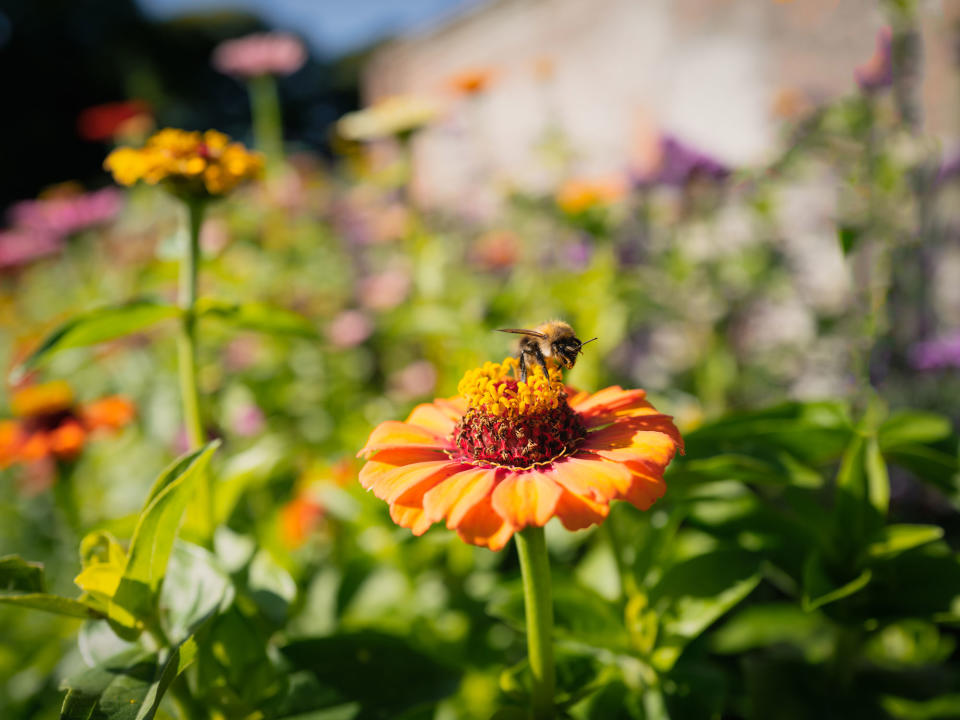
point(434, 418)
point(397, 435)
point(454, 497)
point(413, 518)
point(577, 512)
point(482, 525)
point(526, 499)
point(592, 476)
point(386, 461)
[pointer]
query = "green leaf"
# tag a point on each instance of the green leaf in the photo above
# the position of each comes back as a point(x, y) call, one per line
point(272, 587)
point(234, 670)
point(848, 236)
point(195, 587)
point(943, 707)
point(129, 686)
point(862, 489)
point(579, 614)
point(895, 539)
point(97, 326)
point(22, 585)
point(810, 432)
point(878, 481)
point(694, 593)
point(19, 575)
point(928, 464)
point(577, 677)
point(257, 316)
point(820, 589)
point(381, 672)
point(156, 530)
point(909, 427)
point(52, 604)
point(760, 626)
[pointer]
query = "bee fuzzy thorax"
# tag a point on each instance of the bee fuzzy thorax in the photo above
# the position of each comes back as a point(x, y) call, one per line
point(554, 341)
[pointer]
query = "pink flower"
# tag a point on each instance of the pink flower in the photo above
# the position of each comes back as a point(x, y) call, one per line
point(260, 54)
point(66, 214)
point(415, 380)
point(22, 246)
point(248, 421)
point(385, 290)
point(877, 72)
point(350, 328)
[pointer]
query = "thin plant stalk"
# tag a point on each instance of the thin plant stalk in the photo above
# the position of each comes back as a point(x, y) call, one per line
point(187, 354)
point(267, 122)
point(538, 601)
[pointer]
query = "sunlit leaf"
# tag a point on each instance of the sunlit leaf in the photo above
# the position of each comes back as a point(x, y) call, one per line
point(156, 530)
point(909, 427)
point(895, 539)
point(194, 588)
point(271, 587)
point(878, 481)
point(820, 589)
point(257, 316)
point(938, 708)
point(128, 686)
point(100, 325)
point(760, 626)
point(694, 593)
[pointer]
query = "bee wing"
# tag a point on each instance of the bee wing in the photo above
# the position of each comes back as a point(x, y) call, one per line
point(520, 331)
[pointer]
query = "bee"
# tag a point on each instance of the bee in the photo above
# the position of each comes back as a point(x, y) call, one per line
point(555, 340)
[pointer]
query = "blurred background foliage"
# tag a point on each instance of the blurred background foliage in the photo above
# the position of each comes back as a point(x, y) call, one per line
point(803, 562)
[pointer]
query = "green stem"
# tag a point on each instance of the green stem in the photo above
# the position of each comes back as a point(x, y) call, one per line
point(537, 597)
point(267, 123)
point(187, 353)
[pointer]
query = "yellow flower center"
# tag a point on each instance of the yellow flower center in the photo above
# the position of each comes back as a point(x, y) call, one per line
point(493, 389)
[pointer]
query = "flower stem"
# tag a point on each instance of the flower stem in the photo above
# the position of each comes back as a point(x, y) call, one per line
point(267, 125)
point(187, 353)
point(537, 597)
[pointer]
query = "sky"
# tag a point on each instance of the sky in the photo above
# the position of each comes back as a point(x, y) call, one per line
point(332, 27)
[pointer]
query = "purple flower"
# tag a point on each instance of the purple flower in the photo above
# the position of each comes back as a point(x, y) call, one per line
point(62, 215)
point(577, 255)
point(678, 163)
point(877, 72)
point(936, 354)
point(949, 168)
point(22, 246)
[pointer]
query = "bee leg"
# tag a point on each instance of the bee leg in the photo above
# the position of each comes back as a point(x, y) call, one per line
point(523, 366)
point(541, 360)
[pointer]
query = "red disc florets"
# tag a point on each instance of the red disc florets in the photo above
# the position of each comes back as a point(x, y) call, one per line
point(518, 442)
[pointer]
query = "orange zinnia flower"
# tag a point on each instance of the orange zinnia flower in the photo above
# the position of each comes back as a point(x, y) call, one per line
point(579, 195)
point(472, 81)
point(504, 455)
point(49, 424)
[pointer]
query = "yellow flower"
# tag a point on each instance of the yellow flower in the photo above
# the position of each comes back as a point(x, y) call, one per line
point(397, 116)
point(190, 164)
